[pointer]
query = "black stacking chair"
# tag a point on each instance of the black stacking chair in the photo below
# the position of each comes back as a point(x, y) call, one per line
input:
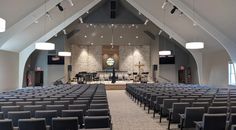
point(167, 104)
point(190, 115)
point(65, 103)
point(32, 124)
point(22, 104)
point(97, 112)
point(47, 114)
point(212, 122)
point(74, 113)
point(98, 106)
point(6, 124)
point(201, 104)
point(78, 107)
point(217, 110)
point(177, 108)
point(232, 121)
point(6, 109)
point(65, 123)
point(157, 104)
point(33, 108)
point(218, 104)
point(81, 102)
point(43, 103)
point(99, 102)
point(16, 115)
point(59, 108)
point(97, 122)
point(1, 115)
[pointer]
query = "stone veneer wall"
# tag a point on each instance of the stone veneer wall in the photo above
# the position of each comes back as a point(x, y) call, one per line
point(89, 58)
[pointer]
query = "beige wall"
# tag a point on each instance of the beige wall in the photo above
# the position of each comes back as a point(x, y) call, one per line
point(215, 69)
point(89, 58)
point(9, 62)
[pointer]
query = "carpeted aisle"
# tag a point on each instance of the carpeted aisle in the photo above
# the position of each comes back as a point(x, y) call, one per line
point(127, 115)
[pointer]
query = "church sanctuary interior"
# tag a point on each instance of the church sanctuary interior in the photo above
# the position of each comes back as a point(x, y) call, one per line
point(117, 65)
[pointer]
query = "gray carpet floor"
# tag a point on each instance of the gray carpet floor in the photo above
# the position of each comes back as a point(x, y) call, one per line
point(127, 115)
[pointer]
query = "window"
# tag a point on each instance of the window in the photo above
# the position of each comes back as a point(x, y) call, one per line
point(232, 73)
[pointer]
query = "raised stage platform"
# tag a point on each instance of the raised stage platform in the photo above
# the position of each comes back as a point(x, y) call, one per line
point(119, 85)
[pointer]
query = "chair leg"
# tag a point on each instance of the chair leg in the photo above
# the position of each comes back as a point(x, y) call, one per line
point(160, 115)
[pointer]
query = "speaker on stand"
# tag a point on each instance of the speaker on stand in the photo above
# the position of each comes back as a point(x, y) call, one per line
point(69, 70)
point(154, 72)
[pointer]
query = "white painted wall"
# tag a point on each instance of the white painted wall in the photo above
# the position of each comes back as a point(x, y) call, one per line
point(216, 69)
point(9, 62)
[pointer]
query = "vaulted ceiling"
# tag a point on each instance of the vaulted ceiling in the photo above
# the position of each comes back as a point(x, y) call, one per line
point(22, 31)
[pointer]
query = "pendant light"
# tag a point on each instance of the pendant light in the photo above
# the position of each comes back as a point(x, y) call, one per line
point(64, 53)
point(194, 44)
point(44, 45)
point(2, 25)
point(164, 52)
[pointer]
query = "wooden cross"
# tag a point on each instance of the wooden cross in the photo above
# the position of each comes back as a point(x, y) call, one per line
point(139, 65)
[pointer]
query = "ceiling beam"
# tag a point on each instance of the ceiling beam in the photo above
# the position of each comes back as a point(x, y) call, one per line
point(27, 21)
point(227, 43)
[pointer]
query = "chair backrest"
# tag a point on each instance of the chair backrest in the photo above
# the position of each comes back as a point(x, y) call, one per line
point(36, 124)
point(216, 104)
point(201, 104)
point(22, 104)
point(232, 109)
point(6, 109)
point(99, 102)
point(6, 124)
point(217, 110)
point(47, 114)
point(43, 103)
point(65, 123)
point(178, 108)
point(81, 102)
point(74, 113)
point(97, 122)
point(1, 115)
point(65, 103)
point(214, 121)
point(232, 119)
point(16, 115)
point(192, 114)
point(97, 112)
point(33, 108)
point(98, 106)
point(59, 108)
point(78, 107)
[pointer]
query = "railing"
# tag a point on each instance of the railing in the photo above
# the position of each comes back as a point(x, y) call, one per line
point(163, 78)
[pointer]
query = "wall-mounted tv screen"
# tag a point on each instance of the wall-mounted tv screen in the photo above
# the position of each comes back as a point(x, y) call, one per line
point(55, 60)
point(167, 60)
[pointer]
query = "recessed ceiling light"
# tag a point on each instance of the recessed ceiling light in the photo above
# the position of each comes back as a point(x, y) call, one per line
point(146, 21)
point(121, 37)
point(85, 36)
point(91, 24)
point(132, 25)
point(91, 43)
point(129, 43)
point(137, 37)
point(101, 36)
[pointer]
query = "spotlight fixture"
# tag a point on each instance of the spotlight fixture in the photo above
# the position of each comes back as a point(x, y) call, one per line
point(49, 16)
point(2, 25)
point(139, 13)
point(60, 7)
point(81, 20)
point(164, 4)
point(194, 24)
point(146, 21)
point(36, 21)
point(173, 10)
point(160, 32)
point(64, 31)
point(71, 2)
point(55, 35)
point(132, 25)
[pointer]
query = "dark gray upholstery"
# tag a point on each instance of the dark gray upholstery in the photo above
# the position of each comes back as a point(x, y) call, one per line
point(6, 124)
point(81, 102)
point(65, 123)
point(1, 115)
point(32, 124)
point(190, 115)
point(99, 106)
point(16, 115)
point(233, 127)
point(178, 108)
point(97, 112)
point(74, 113)
point(97, 122)
point(212, 122)
point(47, 114)
point(6, 109)
point(99, 102)
point(59, 108)
point(217, 110)
point(232, 120)
point(216, 104)
point(33, 108)
point(65, 103)
point(43, 103)
point(167, 104)
point(22, 104)
point(78, 107)
point(201, 104)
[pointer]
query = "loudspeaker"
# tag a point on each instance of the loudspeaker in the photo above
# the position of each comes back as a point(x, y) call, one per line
point(155, 67)
point(113, 5)
point(69, 67)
